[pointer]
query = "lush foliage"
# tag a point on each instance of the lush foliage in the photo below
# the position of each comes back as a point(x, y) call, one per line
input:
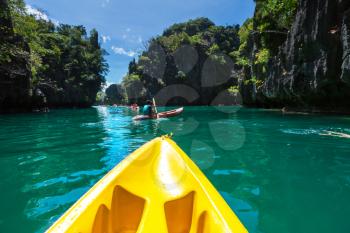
point(66, 64)
point(172, 57)
point(250, 46)
point(275, 14)
point(191, 27)
point(9, 50)
point(233, 90)
point(262, 36)
point(272, 21)
point(241, 55)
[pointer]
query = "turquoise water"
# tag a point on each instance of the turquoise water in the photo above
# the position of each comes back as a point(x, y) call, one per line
point(280, 173)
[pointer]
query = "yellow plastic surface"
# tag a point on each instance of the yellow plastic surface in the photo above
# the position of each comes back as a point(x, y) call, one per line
point(156, 189)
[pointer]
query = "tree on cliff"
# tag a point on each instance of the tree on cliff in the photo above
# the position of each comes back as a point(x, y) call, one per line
point(188, 53)
point(66, 65)
point(15, 75)
point(260, 39)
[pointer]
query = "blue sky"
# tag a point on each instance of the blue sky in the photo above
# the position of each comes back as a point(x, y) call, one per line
point(125, 25)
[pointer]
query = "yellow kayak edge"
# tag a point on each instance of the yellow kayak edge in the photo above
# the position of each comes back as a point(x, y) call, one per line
point(157, 188)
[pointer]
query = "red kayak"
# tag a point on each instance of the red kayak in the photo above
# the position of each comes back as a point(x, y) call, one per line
point(166, 114)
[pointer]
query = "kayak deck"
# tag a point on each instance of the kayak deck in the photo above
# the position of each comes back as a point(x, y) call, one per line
point(155, 189)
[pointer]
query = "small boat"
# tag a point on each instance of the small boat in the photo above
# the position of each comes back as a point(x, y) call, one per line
point(157, 188)
point(166, 114)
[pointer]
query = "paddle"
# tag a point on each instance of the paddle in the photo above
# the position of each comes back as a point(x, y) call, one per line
point(155, 107)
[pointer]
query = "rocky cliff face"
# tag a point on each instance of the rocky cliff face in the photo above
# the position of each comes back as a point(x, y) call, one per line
point(312, 68)
point(115, 93)
point(210, 76)
point(190, 64)
point(15, 90)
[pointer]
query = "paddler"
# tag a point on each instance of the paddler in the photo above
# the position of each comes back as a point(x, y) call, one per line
point(148, 108)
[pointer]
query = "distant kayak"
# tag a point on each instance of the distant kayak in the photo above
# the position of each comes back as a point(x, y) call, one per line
point(155, 189)
point(166, 114)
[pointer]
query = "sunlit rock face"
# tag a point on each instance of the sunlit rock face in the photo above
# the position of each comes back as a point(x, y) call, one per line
point(312, 68)
point(15, 90)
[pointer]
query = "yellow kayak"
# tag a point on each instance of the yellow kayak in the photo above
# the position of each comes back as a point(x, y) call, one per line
point(156, 189)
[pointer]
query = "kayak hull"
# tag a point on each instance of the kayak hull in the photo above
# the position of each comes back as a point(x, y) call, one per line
point(155, 189)
point(166, 114)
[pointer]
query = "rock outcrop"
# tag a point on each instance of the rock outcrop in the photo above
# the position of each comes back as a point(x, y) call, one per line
point(115, 94)
point(190, 64)
point(312, 68)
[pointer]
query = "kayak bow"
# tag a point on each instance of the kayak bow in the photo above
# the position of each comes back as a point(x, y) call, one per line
point(155, 189)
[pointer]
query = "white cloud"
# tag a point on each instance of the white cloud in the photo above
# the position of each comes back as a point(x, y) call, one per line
point(105, 38)
point(122, 51)
point(139, 39)
point(36, 13)
point(128, 30)
point(40, 15)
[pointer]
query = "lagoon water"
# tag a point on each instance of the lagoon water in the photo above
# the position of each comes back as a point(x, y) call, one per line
point(279, 173)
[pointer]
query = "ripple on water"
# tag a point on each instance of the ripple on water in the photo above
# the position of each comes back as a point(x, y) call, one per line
point(37, 207)
point(247, 213)
point(49, 182)
point(92, 124)
point(31, 160)
point(227, 172)
point(332, 132)
point(300, 131)
point(72, 178)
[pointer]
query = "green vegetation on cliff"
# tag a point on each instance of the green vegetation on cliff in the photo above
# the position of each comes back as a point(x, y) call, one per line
point(267, 30)
point(15, 88)
point(260, 40)
point(190, 53)
point(295, 54)
point(289, 53)
point(211, 59)
point(66, 65)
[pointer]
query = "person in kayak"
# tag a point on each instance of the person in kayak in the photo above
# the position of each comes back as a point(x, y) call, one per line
point(148, 108)
point(134, 106)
